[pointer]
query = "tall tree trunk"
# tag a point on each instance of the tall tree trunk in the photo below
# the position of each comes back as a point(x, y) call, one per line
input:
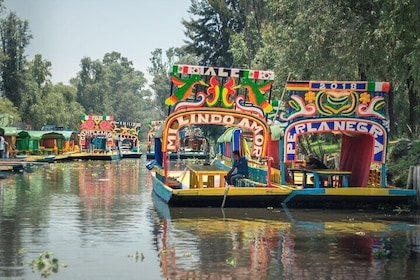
point(412, 102)
point(362, 72)
point(391, 116)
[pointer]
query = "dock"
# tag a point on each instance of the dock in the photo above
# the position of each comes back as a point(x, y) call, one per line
point(12, 165)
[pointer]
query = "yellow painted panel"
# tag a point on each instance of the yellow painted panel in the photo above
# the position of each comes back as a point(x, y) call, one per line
point(232, 191)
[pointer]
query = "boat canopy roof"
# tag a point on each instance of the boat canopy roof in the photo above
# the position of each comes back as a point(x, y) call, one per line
point(38, 134)
point(227, 135)
point(10, 130)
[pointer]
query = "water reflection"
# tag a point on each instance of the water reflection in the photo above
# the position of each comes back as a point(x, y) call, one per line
point(271, 244)
point(93, 215)
point(83, 212)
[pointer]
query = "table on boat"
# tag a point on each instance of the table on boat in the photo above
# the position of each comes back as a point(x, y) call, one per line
point(198, 174)
point(333, 176)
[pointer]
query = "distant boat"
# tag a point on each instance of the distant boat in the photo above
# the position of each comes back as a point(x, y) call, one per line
point(126, 152)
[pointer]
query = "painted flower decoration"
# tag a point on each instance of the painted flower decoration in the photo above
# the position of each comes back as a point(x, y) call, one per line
point(364, 98)
point(310, 96)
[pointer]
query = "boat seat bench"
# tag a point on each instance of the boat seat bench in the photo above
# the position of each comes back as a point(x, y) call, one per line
point(248, 183)
point(256, 178)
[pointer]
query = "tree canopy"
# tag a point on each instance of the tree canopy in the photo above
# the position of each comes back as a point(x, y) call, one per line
point(318, 40)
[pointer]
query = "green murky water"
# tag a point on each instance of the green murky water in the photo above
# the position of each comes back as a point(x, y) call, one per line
point(99, 220)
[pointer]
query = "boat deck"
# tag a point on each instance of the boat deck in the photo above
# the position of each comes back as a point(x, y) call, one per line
point(181, 192)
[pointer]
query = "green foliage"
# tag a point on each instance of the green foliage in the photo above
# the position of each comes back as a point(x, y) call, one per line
point(161, 84)
point(8, 112)
point(37, 86)
point(62, 107)
point(14, 36)
point(322, 39)
point(327, 40)
point(112, 87)
point(403, 155)
point(210, 29)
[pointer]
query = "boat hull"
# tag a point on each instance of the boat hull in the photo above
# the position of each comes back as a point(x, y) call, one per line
point(93, 156)
point(131, 155)
point(353, 197)
point(175, 156)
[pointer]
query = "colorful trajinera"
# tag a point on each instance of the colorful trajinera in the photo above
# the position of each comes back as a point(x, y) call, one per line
point(239, 100)
point(97, 138)
point(127, 137)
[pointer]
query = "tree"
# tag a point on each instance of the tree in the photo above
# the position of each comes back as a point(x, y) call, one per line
point(62, 107)
point(15, 36)
point(113, 87)
point(8, 112)
point(161, 83)
point(35, 89)
point(211, 29)
point(127, 86)
point(92, 88)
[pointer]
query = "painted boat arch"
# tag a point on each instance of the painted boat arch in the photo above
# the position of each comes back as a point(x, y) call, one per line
point(354, 109)
point(231, 97)
point(340, 125)
point(97, 126)
point(216, 116)
point(200, 116)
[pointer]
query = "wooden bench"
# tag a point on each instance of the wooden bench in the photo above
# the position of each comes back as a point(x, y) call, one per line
point(257, 179)
point(248, 183)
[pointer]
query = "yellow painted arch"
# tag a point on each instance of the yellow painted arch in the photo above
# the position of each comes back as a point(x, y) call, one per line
point(240, 119)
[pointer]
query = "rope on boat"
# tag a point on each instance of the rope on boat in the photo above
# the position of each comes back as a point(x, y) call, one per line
point(182, 175)
point(211, 163)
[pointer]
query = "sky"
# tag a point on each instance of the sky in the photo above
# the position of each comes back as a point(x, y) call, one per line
point(65, 31)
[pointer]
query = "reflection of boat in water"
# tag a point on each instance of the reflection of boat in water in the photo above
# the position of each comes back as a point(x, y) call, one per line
point(270, 244)
point(354, 110)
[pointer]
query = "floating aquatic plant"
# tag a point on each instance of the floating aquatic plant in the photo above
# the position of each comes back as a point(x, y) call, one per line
point(46, 264)
point(188, 254)
point(137, 256)
point(231, 261)
point(22, 252)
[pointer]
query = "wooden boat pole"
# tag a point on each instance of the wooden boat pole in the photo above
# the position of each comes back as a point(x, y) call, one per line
point(224, 196)
point(413, 181)
point(417, 183)
point(269, 161)
point(165, 167)
point(410, 178)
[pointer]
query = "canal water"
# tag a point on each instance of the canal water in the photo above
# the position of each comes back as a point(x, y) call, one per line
point(99, 220)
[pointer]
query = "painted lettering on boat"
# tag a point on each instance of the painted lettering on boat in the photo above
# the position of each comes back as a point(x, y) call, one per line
point(251, 124)
point(223, 72)
point(351, 126)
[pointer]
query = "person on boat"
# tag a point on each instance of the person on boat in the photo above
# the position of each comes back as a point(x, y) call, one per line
point(314, 163)
point(239, 169)
point(90, 144)
point(3, 146)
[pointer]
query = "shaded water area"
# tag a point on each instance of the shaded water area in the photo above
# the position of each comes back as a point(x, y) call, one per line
point(101, 221)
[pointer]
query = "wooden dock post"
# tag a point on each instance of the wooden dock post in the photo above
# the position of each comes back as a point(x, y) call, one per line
point(413, 181)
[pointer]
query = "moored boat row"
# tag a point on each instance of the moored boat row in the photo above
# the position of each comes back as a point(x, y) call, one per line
point(100, 138)
point(239, 99)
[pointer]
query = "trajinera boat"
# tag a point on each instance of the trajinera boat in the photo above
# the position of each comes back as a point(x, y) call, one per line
point(239, 100)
